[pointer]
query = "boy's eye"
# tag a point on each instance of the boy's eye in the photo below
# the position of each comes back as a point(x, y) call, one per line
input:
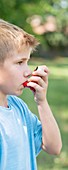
point(20, 62)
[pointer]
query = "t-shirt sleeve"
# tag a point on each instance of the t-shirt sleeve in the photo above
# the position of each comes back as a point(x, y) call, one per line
point(35, 124)
point(37, 135)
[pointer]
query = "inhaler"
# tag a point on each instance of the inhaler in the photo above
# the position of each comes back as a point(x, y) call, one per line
point(25, 83)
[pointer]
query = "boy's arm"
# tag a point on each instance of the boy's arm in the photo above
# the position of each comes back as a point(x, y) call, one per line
point(51, 138)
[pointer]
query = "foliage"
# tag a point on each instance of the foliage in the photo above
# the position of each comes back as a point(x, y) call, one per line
point(18, 12)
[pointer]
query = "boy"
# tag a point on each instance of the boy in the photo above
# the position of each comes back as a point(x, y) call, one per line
point(22, 135)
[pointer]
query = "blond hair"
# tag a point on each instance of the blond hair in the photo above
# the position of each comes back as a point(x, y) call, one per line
point(13, 37)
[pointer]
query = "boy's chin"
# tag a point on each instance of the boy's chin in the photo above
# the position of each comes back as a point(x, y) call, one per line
point(19, 92)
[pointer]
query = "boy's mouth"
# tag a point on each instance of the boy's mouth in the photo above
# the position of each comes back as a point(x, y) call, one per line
point(25, 85)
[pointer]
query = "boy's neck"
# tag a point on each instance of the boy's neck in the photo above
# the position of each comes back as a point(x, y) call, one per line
point(3, 100)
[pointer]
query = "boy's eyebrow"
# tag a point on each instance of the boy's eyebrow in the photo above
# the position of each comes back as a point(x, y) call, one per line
point(25, 58)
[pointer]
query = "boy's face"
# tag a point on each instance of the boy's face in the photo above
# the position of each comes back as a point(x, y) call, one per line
point(14, 72)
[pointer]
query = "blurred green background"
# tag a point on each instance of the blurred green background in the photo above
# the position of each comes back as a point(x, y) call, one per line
point(58, 99)
point(48, 21)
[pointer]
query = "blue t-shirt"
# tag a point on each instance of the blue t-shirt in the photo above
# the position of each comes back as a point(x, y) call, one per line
point(20, 136)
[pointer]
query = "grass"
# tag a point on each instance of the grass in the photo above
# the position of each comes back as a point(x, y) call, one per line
point(58, 99)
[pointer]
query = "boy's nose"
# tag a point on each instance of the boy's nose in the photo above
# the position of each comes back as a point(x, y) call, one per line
point(27, 72)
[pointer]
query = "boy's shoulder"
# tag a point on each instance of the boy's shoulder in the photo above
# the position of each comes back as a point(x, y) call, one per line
point(16, 101)
point(20, 107)
point(13, 97)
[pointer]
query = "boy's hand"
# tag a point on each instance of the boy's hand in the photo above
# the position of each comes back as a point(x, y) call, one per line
point(39, 81)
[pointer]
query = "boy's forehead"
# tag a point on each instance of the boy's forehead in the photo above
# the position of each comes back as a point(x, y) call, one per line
point(23, 53)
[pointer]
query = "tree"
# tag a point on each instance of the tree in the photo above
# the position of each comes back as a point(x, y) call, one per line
point(20, 12)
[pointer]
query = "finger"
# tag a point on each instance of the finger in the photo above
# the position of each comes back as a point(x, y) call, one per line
point(42, 74)
point(40, 69)
point(38, 80)
point(39, 73)
point(35, 86)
